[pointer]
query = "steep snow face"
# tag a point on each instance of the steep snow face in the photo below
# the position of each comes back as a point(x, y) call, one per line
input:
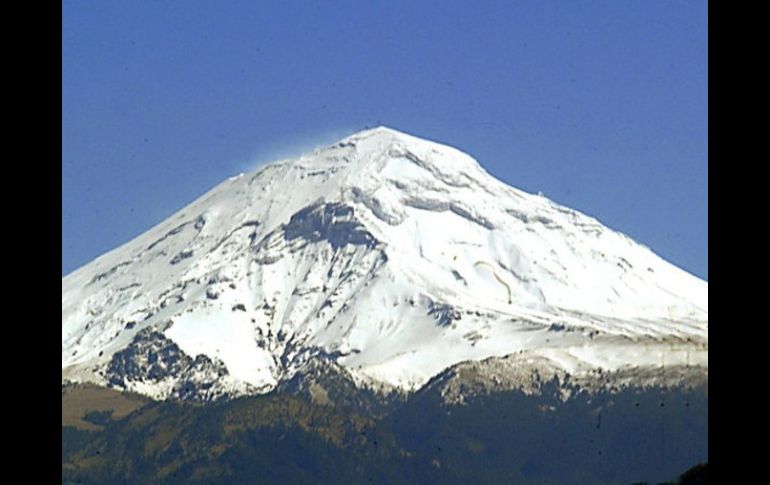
point(393, 256)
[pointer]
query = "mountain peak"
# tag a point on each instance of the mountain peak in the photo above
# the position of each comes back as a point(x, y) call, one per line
point(380, 132)
point(372, 150)
point(392, 256)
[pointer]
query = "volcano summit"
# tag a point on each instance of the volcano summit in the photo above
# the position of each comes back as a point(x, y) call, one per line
point(393, 258)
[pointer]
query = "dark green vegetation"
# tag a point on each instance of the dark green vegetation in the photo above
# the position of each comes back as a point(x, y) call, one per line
point(287, 437)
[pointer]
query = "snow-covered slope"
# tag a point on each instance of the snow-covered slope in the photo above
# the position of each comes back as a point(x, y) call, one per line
point(390, 255)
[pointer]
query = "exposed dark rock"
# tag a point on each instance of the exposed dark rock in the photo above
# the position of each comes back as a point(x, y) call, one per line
point(443, 313)
point(151, 357)
point(200, 222)
point(333, 222)
point(181, 256)
point(170, 233)
point(109, 272)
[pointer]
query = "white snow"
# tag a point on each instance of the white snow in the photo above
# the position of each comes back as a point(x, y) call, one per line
point(232, 276)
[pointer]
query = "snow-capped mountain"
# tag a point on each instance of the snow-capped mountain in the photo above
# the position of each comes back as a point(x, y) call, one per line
point(391, 256)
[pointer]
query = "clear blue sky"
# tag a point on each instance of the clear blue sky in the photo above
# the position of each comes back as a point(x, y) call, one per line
point(602, 106)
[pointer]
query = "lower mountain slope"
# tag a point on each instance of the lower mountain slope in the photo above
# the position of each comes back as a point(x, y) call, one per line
point(457, 429)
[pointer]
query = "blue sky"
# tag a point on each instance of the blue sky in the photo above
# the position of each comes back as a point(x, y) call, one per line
point(602, 106)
